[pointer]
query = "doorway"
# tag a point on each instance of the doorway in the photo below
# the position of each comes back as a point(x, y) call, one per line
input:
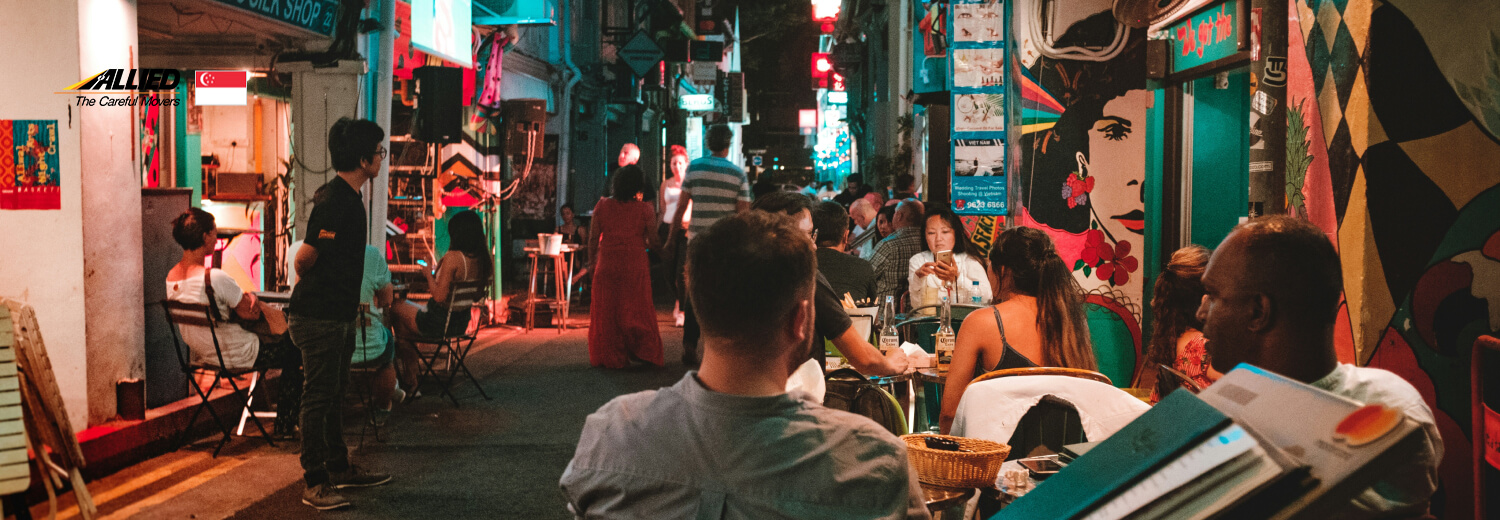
point(1215, 157)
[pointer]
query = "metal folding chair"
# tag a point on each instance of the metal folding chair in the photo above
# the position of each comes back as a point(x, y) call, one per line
point(199, 315)
point(454, 345)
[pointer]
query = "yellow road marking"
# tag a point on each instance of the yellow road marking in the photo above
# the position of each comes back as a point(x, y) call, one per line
point(130, 486)
point(178, 489)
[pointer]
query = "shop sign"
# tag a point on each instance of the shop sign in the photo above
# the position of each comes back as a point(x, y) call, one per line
point(696, 102)
point(1208, 36)
point(641, 54)
point(314, 15)
point(979, 195)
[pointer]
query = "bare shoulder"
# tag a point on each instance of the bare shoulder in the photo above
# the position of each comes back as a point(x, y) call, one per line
point(978, 322)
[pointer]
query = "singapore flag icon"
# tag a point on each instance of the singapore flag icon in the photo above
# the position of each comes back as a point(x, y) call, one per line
point(220, 87)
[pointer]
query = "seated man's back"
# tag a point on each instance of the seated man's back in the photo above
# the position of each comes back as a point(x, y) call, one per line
point(687, 452)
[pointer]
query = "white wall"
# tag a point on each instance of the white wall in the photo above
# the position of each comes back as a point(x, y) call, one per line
point(42, 262)
point(114, 311)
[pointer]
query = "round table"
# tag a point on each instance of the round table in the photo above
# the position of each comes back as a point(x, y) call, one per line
point(931, 375)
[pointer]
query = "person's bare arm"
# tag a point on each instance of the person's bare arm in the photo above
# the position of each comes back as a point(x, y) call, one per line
point(444, 278)
point(247, 309)
point(867, 359)
point(741, 206)
point(593, 246)
point(961, 370)
point(384, 296)
point(683, 202)
point(307, 255)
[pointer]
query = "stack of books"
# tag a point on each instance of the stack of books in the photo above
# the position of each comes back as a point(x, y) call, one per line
point(1253, 445)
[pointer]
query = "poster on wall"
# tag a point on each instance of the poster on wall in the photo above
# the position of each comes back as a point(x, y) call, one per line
point(976, 71)
point(979, 112)
point(978, 158)
point(29, 172)
point(979, 68)
point(978, 22)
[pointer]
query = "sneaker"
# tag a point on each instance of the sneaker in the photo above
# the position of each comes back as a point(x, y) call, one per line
point(357, 477)
point(323, 498)
point(379, 418)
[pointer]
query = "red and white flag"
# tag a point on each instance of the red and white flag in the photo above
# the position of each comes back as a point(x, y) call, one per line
point(221, 87)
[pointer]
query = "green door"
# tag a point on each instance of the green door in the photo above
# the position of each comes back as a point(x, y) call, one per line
point(1219, 162)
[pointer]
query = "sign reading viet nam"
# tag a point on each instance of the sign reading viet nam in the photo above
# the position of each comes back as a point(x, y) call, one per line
point(313, 15)
point(1208, 36)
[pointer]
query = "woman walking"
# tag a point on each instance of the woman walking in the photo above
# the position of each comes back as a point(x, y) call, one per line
point(622, 318)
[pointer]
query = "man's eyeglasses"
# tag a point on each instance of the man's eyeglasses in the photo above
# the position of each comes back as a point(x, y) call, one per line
point(380, 152)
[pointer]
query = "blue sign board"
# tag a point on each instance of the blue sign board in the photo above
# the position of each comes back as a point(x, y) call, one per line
point(1211, 35)
point(979, 195)
point(314, 15)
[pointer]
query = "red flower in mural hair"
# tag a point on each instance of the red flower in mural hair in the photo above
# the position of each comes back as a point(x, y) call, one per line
point(1114, 263)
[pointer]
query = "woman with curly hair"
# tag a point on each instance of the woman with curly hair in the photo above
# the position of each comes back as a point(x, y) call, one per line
point(1176, 333)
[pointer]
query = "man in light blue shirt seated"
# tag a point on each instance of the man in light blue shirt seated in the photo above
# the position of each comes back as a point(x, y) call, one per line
point(374, 346)
point(727, 441)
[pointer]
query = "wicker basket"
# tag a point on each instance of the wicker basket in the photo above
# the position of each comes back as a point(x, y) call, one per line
point(977, 467)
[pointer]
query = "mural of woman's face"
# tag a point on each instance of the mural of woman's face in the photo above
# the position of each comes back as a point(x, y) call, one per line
point(1117, 158)
point(939, 234)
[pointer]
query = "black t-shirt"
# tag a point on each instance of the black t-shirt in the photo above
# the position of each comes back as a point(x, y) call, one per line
point(847, 274)
point(830, 320)
point(336, 228)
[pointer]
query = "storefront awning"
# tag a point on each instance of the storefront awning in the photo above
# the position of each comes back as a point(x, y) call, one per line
point(230, 34)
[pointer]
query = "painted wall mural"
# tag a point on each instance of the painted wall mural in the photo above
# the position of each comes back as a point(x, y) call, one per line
point(1393, 112)
point(1080, 175)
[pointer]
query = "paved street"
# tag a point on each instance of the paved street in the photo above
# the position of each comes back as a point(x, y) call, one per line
point(486, 459)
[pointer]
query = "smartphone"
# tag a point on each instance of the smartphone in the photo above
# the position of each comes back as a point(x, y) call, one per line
point(944, 257)
point(1041, 467)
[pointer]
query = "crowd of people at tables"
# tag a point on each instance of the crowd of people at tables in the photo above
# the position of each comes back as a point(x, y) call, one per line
point(762, 278)
point(765, 273)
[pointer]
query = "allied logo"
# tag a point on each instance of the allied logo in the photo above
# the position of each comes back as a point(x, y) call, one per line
point(136, 87)
point(129, 80)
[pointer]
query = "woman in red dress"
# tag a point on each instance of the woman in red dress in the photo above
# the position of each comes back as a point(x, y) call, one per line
point(622, 317)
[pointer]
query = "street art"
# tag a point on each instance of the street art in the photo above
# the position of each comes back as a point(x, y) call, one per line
point(1396, 104)
point(1081, 176)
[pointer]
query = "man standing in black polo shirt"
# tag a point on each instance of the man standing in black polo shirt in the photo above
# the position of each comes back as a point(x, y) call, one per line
point(324, 308)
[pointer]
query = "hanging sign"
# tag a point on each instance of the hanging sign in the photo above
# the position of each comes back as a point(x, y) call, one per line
point(313, 15)
point(641, 54)
point(1211, 35)
point(976, 79)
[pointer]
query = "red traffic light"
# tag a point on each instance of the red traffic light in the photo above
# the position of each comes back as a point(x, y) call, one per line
point(820, 65)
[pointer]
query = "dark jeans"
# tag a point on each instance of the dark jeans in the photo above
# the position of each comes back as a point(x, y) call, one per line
point(327, 347)
point(284, 355)
point(690, 331)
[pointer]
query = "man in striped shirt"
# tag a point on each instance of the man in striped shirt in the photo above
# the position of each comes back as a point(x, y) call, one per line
point(716, 188)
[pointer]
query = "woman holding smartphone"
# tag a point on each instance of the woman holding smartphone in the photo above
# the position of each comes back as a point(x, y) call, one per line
point(945, 263)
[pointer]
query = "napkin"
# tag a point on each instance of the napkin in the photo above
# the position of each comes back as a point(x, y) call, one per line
point(918, 358)
point(807, 383)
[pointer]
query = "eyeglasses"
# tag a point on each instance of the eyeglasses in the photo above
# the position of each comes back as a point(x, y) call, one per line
point(380, 152)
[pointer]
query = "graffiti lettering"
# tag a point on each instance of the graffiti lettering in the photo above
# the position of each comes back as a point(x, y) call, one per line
point(1188, 39)
point(1223, 25)
point(1205, 36)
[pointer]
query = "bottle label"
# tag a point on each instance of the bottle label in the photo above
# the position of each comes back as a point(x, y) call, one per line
point(889, 343)
point(944, 344)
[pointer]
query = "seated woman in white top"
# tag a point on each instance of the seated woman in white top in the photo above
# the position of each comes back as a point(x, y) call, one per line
point(966, 275)
point(195, 231)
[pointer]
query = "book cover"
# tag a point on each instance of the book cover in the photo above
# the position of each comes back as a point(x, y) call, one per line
point(1157, 437)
